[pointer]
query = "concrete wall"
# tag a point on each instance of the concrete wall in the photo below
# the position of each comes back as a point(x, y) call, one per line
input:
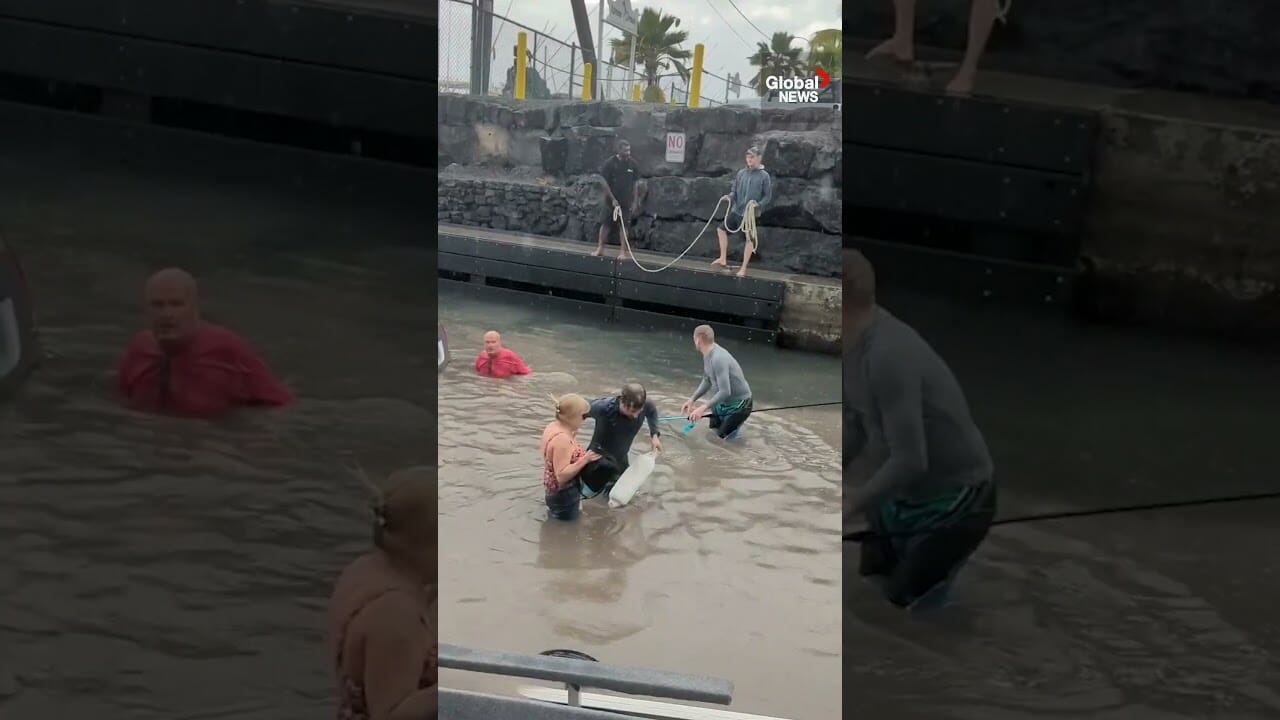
point(1183, 226)
point(530, 167)
point(1224, 49)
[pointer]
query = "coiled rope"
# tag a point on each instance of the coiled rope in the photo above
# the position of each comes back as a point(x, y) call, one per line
point(747, 226)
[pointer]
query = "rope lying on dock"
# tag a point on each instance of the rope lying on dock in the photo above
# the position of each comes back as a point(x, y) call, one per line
point(748, 227)
point(862, 535)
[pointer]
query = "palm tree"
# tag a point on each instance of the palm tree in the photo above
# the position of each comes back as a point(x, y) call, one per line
point(777, 58)
point(658, 49)
point(826, 51)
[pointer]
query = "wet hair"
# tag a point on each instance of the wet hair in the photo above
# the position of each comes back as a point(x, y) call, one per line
point(633, 395)
point(754, 150)
point(623, 145)
point(705, 332)
point(859, 281)
point(405, 504)
point(570, 405)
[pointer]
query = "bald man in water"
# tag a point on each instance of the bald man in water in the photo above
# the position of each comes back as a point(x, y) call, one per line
point(496, 361)
point(931, 497)
point(182, 365)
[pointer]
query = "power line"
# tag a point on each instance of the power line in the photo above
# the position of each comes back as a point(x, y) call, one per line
point(753, 25)
point(711, 5)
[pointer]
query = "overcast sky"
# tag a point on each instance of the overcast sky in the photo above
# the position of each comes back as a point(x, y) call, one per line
point(729, 38)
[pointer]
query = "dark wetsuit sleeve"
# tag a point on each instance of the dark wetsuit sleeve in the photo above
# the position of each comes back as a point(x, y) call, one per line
point(651, 417)
point(898, 390)
point(598, 409)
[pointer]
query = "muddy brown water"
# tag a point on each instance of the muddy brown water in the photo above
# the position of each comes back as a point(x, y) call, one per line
point(725, 564)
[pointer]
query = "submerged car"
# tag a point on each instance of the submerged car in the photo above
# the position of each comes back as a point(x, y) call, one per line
point(18, 354)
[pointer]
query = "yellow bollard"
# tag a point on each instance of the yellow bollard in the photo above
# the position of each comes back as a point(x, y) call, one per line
point(522, 44)
point(635, 93)
point(695, 78)
point(586, 82)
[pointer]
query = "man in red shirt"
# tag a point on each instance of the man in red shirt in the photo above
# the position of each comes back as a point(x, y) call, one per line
point(182, 365)
point(498, 362)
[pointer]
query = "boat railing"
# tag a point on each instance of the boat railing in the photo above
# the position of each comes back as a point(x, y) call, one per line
point(575, 674)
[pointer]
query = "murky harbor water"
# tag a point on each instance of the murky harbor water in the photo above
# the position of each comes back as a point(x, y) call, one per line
point(161, 569)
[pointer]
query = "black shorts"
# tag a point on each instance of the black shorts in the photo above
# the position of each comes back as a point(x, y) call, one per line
point(599, 475)
point(726, 424)
point(606, 216)
point(734, 220)
point(912, 566)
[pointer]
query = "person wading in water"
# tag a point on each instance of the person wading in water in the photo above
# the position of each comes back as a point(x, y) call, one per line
point(383, 611)
point(563, 460)
point(931, 495)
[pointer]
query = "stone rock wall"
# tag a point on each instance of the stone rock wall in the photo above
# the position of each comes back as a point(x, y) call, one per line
point(1224, 49)
point(484, 142)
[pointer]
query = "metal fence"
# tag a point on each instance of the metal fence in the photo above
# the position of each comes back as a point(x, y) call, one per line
point(555, 66)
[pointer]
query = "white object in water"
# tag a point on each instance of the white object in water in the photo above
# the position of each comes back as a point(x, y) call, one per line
point(635, 707)
point(632, 479)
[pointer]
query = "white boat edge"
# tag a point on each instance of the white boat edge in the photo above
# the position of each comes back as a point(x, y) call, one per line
point(634, 706)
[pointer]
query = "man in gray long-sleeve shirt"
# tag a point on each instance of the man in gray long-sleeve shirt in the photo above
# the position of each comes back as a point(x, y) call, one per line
point(931, 497)
point(730, 400)
point(751, 184)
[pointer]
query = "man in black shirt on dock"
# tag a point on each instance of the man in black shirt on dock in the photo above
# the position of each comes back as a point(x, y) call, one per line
point(622, 190)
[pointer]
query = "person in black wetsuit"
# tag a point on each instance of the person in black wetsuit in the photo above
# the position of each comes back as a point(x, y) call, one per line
point(931, 496)
point(618, 419)
point(622, 190)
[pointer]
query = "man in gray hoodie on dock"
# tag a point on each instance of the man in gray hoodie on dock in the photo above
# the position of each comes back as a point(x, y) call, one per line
point(752, 183)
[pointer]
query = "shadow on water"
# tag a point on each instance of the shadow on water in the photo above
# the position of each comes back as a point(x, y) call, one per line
point(167, 569)
point(1148, 616)
point(725, 563)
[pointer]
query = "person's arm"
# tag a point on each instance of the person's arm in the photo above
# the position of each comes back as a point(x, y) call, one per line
point(719, 366)
point(606, 173)
point(855, 438)
point(516, 364)
point(702, 388)
point(898, 390)
point(598, 409)
point(394, 658)
point(480, 362)
point(651, 417)
point(733, 188)
point(561, 457)
point(766, 192)
point(259, 386)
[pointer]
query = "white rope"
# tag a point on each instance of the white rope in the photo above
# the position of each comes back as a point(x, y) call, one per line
point(747, 226)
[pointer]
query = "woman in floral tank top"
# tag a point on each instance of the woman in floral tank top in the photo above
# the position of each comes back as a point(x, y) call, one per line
point(563, 459)
point(383, 613)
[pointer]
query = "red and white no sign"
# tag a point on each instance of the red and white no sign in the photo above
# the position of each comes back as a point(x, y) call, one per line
point(675, 147)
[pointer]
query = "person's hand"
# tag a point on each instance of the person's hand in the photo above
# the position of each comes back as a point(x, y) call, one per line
point(615, 202)
point(698, 412)
point(657, 444)
point(635, 208)
point(591, 456)
point(725, 197)
point(684, 409)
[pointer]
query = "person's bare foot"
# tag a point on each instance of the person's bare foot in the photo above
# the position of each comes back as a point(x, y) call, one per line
point(622, 255)
point(962, 83)
point(720, 263)
point(902, 51)
point(742, 272)
point(597, 252)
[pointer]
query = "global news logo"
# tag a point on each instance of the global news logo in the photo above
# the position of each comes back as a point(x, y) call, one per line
point(798, 89)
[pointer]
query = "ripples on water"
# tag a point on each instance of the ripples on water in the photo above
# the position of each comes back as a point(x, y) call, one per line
point(167, 569)
point(1149, 616)
point(726, 563)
